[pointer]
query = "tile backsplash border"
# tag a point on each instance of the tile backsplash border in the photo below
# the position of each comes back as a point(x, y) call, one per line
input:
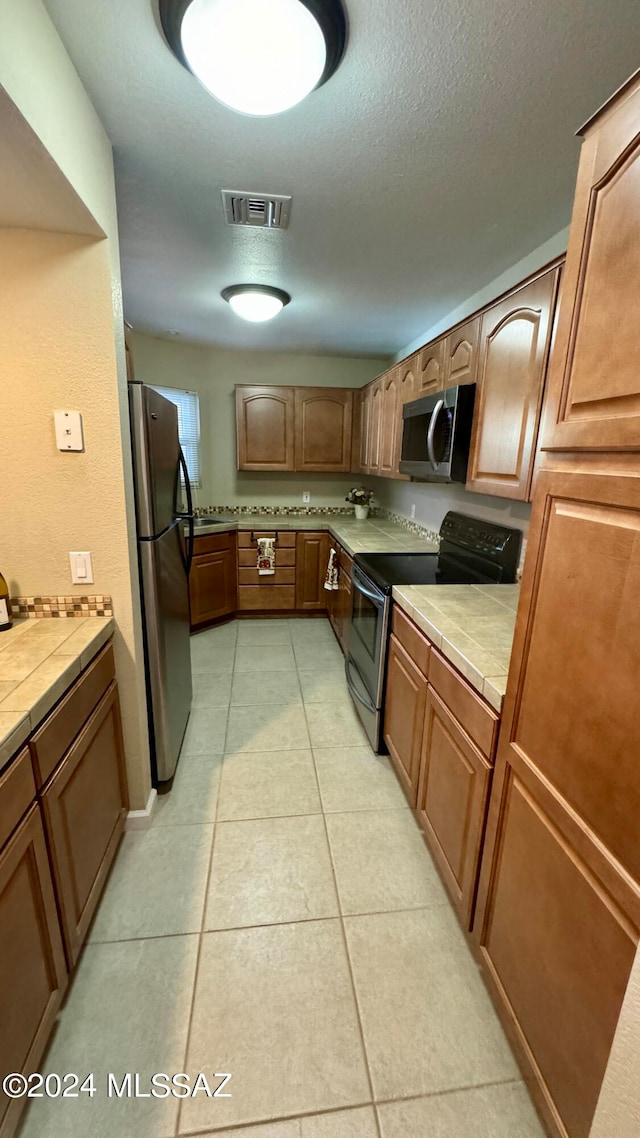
point(41, 607)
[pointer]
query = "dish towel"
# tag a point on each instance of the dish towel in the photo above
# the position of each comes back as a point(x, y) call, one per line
point(331, 579)
point(266, 556)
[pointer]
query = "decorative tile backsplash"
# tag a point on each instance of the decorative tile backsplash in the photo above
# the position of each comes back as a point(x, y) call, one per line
point(375, 513)
point(47, 607)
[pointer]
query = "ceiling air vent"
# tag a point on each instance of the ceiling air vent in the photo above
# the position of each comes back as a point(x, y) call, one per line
point(263, 211)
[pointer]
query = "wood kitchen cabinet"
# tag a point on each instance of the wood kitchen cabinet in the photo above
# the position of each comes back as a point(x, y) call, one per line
point(391, 412)
point(360, 439)
point(312, 554)
point(461, 354)
point(339, 600)
point(594, 382)
point(452, 802)
point(430, 369)
point(558, 916)
point(515, 338)
point(265, 428)
point(85, 805)
point(34, 974)
point(323, 417)
point(375, 426)
point(213, 581)
point(273, 592)
point(404, 716)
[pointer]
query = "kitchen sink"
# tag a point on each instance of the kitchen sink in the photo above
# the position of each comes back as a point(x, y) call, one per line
point(198, 522)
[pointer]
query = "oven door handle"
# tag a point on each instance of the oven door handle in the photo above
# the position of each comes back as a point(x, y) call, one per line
point(433, 422)
point(348, 664)
point(377, 598)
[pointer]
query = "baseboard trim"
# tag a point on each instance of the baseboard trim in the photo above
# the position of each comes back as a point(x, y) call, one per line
point(141, 819)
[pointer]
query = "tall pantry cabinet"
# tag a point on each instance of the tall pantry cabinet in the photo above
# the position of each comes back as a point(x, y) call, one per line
point(558, 918)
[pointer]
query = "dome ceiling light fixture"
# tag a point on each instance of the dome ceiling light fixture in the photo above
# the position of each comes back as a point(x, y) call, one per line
point(256, 303)
point(259, 57)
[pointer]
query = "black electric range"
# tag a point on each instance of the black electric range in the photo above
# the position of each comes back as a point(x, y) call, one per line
point(471, 552)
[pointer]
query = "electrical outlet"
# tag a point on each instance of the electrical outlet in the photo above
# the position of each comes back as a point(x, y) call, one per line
point(412, 512)
point(306, 498)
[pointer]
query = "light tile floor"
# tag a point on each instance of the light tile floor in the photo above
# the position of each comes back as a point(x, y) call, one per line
point(282, 921)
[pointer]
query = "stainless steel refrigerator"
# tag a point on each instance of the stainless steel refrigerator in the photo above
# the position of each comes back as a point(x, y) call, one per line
point(161, 482)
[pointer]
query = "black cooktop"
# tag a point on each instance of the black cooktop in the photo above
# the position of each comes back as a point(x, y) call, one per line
point(389, 569)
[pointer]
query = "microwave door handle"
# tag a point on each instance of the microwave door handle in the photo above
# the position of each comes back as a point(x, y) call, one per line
point(433, 422)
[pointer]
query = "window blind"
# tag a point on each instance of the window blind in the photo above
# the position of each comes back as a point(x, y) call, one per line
point(188, 405)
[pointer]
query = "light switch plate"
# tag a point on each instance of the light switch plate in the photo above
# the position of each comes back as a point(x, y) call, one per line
point(68, 426)
point(81, 568)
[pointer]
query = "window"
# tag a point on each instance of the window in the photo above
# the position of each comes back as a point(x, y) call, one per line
point(188, 405)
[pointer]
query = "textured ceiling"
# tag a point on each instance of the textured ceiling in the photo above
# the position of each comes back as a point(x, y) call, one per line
point(441, 152)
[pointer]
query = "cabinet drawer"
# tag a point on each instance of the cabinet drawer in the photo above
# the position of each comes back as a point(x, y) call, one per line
point(274, 597)
point(50, 742)
point(213, 542)
point(471, 711)
point(412, 640)
point(286, 538)
point(280, 577)
point(285, 558)
point(17, 792)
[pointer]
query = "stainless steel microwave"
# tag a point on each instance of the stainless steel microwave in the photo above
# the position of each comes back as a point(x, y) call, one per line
point(436, 434)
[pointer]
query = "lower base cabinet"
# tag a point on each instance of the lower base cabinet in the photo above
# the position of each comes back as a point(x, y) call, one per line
point(63, 802)
point(452, 803)
point(404, 717)
point(213, 582)
point(32, 963)
point(84, 808)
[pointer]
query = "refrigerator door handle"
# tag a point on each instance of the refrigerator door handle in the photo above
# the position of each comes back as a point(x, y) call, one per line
point(188, 516)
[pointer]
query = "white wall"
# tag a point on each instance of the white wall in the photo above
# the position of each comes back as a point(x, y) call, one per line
point(212, 373)
point(618, 1111)
point(62, 339)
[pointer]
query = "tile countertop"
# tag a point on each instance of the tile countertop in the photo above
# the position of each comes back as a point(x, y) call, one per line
point(473, 627)
point(39, 660)
point(379, 535)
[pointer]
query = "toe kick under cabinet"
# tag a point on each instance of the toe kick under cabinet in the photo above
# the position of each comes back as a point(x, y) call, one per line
point(63, 803)
point(441, 737)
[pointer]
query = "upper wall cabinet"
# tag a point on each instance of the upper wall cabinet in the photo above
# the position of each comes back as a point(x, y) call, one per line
point(293, 428)
point(360, 431)
point(323, 428)
point(594, 382)
point(461, 354)
point(514, 347)
point(430, 376)
point(396, 383)
point(408, 380)
point(265, 428)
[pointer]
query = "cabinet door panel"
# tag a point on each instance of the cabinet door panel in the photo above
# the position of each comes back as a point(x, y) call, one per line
point(430, 369)
point(323, 428)
point(558, 950)
point(361, 457)
point(312, 553)
point(461, 354)
point(265, 428)
point(31, 956)
point(576, 716)
point(452, 802)
point(212, 586)
point(408, 380)
point(375, 427)
point(85, 807)
point(404, 716)
point(515, 339)
point(595, 371)
point(390, 420)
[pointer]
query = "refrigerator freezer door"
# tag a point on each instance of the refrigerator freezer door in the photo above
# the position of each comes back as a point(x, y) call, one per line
point(166, 616)
point(154, 422)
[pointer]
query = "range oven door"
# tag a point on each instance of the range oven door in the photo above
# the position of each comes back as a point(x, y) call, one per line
point(368, 633)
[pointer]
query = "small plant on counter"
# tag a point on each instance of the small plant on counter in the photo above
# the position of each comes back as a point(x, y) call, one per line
point(359, 496)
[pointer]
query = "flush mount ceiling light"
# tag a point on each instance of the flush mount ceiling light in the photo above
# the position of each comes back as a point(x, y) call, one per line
point(259, 57)
point(256, 303)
